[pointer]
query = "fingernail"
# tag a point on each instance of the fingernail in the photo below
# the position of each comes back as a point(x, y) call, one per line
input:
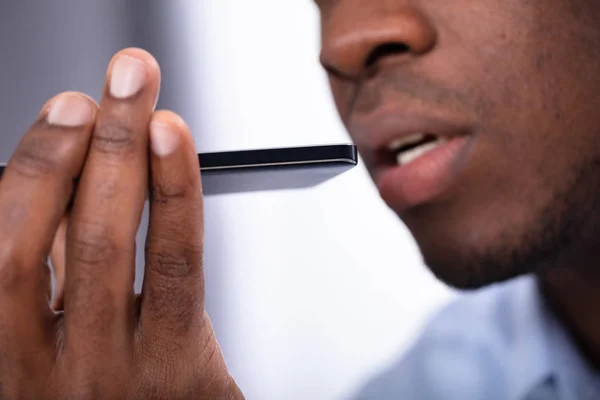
point(163, 139)
point(128, 76)
point(70, 110)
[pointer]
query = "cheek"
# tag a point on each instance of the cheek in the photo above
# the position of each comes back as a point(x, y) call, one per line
point(537, 128)
point(343, 93)
point(543, 116)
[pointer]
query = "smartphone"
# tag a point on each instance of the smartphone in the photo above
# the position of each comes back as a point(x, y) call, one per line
point(272, 169)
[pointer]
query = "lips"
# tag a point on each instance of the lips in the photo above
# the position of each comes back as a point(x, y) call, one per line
point(413, 158)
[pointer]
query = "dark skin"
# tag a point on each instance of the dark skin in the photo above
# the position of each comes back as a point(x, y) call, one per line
point(519, 74)
point(522, 76)
point(104, 342)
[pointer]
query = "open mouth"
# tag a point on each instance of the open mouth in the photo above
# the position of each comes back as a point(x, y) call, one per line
point(411, 147)
point(413, 158)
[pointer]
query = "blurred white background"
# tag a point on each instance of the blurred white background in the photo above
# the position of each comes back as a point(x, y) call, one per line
point(321, 288)
point(312, 292)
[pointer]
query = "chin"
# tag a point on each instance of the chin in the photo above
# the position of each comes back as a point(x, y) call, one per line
point(487, 245)
point(463, 273)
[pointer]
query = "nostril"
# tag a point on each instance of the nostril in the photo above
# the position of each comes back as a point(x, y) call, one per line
point(352, 66)
point(384, 50)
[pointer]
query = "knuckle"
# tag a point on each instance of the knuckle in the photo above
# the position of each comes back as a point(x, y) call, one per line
point(36, 158)
point(91, 244)
point(172, 265)
point(176, 309)
point(114, 137)
point(169, 194)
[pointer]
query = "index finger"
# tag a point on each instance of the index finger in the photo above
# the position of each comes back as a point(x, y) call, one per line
point(34, 192)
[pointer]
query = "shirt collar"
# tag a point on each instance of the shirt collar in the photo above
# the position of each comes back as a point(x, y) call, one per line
point(544, 351)
point(530, 349)
point(573, 375)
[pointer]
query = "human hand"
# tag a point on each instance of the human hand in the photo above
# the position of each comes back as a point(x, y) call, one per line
point(106, 343)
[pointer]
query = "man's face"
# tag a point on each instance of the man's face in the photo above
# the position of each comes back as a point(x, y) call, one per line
point(508, 95)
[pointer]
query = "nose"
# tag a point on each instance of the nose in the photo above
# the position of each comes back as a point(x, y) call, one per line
point(358, 34)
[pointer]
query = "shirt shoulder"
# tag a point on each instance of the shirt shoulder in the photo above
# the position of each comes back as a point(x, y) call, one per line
point(467, 351)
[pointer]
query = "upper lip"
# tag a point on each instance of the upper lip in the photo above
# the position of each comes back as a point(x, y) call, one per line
point(376, 132)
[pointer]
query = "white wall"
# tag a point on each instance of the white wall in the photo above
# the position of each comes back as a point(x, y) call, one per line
point(50, 47)
point(316, 289)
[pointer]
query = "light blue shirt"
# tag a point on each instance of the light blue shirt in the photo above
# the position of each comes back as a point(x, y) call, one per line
point(499, 343)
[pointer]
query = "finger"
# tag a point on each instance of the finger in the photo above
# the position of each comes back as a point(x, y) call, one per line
point(173, 290)
point(107, 210)
point(58, 262)
point(34, 192)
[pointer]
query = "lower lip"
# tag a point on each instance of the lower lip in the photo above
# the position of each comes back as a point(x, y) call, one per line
point(425, 178)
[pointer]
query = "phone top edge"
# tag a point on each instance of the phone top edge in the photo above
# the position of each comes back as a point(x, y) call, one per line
point(285, 156)
point(345, 153)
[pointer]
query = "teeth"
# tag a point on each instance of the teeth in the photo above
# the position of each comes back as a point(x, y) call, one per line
point(412, 154)
point(410, 139)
